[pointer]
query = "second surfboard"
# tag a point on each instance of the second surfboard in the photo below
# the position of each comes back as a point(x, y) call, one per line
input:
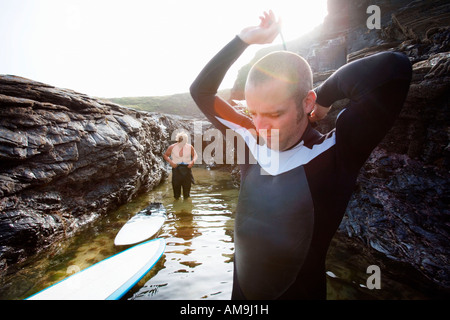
point(142, 226)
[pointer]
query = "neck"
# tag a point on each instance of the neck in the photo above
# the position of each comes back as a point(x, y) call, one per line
point(302, 129)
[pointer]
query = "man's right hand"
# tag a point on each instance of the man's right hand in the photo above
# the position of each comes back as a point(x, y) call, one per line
point(265, 33)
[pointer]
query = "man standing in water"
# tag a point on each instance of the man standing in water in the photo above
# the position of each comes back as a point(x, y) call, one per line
point(181, 157)
point(287, 214)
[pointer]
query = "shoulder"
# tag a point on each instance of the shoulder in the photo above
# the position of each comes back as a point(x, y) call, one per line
point(171, 147)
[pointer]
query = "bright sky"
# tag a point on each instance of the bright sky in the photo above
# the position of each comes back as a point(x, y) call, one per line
point(109, 48)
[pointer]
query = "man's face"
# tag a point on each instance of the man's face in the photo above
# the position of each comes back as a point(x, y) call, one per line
point(275, 114)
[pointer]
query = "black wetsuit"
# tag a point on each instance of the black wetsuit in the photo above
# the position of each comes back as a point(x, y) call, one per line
point(182, 178)
point(288, 213)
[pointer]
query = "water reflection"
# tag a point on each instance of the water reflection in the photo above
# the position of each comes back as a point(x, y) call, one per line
point(180, 214)
point(199, 247)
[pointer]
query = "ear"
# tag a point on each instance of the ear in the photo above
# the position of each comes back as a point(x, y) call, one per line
point(309, 102)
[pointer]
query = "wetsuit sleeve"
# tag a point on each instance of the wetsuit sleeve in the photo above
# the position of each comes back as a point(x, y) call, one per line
point(204, 88)
point(377, 87)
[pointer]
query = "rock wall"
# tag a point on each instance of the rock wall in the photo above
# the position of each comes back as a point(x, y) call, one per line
point(400, 205)
point(67, 158)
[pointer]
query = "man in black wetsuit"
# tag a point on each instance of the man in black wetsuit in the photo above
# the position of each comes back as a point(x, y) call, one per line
point(288, 213)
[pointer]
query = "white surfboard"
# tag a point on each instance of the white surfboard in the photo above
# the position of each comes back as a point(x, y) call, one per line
point(142, 226)
point(108, 279)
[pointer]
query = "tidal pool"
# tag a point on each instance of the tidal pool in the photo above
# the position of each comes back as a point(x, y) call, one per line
point(198, 260)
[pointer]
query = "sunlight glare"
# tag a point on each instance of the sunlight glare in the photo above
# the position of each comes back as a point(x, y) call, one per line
point(111, 48)
point(298, 17)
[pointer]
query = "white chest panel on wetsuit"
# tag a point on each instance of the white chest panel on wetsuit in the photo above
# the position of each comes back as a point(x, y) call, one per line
point(275, 162)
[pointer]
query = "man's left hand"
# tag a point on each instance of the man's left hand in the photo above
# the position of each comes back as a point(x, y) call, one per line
point(319, 112)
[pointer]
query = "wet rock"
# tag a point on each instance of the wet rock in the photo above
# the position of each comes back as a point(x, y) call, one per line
point(66, 159)
point(399, 208)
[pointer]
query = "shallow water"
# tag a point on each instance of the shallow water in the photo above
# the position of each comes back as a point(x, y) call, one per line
point(197, 263)
point(198, 260)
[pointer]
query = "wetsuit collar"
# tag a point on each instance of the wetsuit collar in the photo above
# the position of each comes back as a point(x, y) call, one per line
point(308, 137)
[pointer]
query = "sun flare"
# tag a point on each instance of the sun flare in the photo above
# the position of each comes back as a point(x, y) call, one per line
point(298, 17)
point(128, 48)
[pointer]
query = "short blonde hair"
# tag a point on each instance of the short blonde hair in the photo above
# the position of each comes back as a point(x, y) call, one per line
point(182, 136)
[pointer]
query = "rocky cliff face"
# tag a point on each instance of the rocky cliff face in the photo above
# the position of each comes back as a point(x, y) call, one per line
point(66, 158)
point(400, 205)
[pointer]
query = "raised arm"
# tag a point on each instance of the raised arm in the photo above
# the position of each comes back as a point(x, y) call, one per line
point(204, 89)
point(377, 87)
point(360, 77)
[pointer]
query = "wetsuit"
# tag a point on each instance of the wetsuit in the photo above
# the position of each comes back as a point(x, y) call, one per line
point(182, 178)
point(287, 214)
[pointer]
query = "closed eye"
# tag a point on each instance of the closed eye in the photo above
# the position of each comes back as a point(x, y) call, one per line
point(270, 115)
